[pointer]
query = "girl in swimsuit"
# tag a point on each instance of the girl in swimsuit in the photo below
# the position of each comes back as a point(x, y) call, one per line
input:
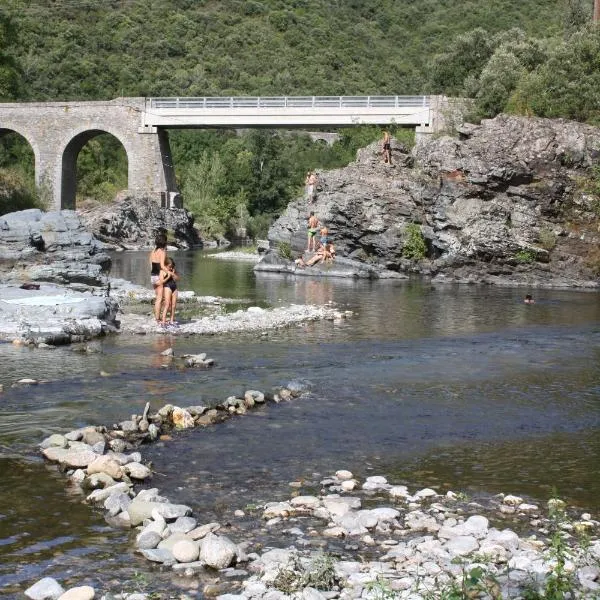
point(158, 257)
point(168, 280)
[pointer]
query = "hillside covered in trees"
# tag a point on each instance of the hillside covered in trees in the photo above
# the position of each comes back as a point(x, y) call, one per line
point(539, 57)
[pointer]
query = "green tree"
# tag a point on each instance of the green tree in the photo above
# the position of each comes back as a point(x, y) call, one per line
point(566, 85)
point(9, 76)
point(465, 57)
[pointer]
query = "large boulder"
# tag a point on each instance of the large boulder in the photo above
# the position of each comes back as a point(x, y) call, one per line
point(500, 202)
point(133, 221)
point(52, 247)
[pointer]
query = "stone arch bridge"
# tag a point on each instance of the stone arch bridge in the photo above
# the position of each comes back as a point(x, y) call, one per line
point(57, 131)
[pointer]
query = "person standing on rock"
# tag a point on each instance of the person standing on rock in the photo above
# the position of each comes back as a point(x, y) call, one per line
point(158, 257)
point(313, 229)
point(387, 148)
point(311, 186)
point(168, 280)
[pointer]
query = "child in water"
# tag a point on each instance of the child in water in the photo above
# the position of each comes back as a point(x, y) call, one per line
point(168, 279)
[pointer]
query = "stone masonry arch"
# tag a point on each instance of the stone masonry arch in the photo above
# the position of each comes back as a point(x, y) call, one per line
point(26, 136)
point(69, 163)
point(57, 131)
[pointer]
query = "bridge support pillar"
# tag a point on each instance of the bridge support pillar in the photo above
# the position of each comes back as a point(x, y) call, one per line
point(150, 169)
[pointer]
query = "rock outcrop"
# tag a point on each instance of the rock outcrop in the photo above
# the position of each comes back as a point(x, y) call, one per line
point(502, 202)
point(132, 222)
point(50, 247)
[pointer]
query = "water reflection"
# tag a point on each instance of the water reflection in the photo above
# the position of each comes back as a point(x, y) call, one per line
point(442, 385)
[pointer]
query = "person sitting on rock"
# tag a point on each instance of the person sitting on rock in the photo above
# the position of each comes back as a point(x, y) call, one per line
point(323, 254)
point(323, 237)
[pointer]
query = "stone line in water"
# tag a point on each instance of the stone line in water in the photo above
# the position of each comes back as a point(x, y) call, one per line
point(426, 543)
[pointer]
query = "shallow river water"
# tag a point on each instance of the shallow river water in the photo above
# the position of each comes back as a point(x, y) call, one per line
point(453, 387)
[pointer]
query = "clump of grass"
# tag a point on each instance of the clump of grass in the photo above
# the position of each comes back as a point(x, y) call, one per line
point(525, 256)
point(284, 250)
point(414, 246)
point(547, 239)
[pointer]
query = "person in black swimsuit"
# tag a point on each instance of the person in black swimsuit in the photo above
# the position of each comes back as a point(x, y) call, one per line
point(168, 281)
point(157, 262)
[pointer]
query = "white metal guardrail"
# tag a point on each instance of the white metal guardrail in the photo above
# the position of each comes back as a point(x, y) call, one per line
point(245, 102)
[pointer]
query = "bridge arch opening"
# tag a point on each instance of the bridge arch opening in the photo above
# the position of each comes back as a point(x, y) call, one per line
point(94, 169)
point(17, 173)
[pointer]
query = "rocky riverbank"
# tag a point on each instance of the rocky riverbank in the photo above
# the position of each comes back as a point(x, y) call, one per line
point(352, 539)
point(56, 290)
point(506, 202)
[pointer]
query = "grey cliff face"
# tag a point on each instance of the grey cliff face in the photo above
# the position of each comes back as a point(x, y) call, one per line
point(502, 203)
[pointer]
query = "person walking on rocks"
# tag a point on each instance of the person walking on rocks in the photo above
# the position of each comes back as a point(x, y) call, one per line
point(168, 280)
point(313, 229)
point(311, 186)
point(158, 257)
point(387, 148)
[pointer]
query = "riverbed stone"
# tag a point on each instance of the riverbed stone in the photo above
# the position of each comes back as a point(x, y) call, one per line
point(139, 510)
point(101, 495)
point(172, 511)
point(462, 545)
point(77, 458)
point(105, 464)
point(506, 538)
point(426, 493)
point(511, 500)
point(55, 453)
point(182, 419)
point(92, 437)
point(338, 506)
point(376, 482)
point(309, 502)
point(398, 491)
point(277, 509)
point(200, 532)
point(185, 550)
point(183, 525)
point(419, 521)
point(45, 589)
point(98, 481)
point(172, 539)
point(217, 552)
point(159, 555)
point(82, 592)
point(117, 503)
point(252, 397)
point(385, 514)
point(55, 439)
point(148, 539)
point(136, 470)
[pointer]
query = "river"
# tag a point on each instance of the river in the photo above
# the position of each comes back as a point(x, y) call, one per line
point(448, 386)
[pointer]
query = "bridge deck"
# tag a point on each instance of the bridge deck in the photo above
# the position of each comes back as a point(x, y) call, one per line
point(275, 111)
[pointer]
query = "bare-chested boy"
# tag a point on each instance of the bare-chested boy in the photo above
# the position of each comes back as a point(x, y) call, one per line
point(313, 228)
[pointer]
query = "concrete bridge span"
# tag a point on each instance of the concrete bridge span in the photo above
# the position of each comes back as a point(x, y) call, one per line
point(57, 131)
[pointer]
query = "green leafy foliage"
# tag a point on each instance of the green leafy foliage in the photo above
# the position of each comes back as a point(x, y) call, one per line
point(525, 256)
point(566, 84)
point(17, 193)
point(414, 246)
point(266, 47)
